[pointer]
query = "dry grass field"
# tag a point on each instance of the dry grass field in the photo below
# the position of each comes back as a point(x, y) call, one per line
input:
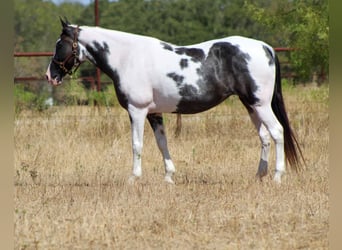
point(72, 165)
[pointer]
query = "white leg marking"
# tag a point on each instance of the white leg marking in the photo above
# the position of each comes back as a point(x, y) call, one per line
point(159, 133)
point(265, 145)
point(265, 151)
point(268, 118)
point(137, 117)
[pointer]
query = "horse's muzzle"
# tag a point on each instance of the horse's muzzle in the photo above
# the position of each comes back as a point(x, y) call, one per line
point(53, 81)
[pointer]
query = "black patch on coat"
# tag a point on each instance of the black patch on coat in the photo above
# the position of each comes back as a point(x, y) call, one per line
point(269, 55)
point(100, 54)
point(224, 72)
point(155, 120)
point(166, 46)
point(183, 63)
point(177, 78)
point(197, 55)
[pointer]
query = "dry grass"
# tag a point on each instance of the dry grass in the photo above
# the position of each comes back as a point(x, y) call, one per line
point(72, 165)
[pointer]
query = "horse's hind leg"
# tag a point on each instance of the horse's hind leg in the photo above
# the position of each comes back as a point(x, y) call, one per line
point(267, 117)
point(265, 144)
point(156, 122)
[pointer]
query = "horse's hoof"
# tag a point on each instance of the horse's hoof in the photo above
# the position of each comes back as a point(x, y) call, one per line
point(169, 180)
point(262, 169)
point(131, 180)
point(277, 177)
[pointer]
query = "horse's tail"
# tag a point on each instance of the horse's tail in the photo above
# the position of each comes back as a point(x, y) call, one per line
point(291, 145)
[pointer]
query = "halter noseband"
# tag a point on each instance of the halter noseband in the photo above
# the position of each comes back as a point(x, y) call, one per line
point(73, 54)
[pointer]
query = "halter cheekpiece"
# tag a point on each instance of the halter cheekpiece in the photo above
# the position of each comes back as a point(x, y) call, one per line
point(73, 54)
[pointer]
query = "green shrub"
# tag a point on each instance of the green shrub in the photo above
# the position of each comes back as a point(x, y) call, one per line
point(106, 97)
point(71, 92)
point(27, 99)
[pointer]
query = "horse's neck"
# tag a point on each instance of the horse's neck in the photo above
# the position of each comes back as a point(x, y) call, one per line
point(97, 33)
point(106, 47)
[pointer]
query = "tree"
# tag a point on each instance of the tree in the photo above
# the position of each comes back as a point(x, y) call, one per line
point(300, 24)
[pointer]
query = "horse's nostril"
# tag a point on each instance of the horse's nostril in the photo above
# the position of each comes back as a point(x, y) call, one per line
point(47, 77)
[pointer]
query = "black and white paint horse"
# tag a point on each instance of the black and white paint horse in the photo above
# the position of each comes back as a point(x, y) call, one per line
point(152, 77)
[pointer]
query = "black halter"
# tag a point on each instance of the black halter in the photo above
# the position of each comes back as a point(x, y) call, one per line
point(74, 54)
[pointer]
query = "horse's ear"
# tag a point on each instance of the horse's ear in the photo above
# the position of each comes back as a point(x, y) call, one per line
point(64, 22)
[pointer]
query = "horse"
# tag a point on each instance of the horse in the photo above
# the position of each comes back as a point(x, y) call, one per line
point(152, 77)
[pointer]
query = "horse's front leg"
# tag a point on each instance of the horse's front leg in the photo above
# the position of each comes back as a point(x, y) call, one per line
point(137, 117)
point(156, 122)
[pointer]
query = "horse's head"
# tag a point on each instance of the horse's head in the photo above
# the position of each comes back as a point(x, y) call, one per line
point(67, 56)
